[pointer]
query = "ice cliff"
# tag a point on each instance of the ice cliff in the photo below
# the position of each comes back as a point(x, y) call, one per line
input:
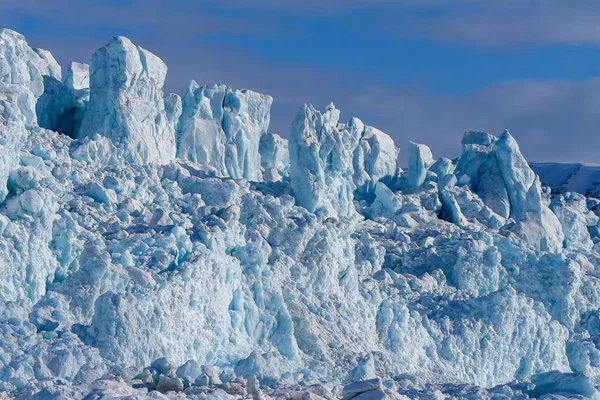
point(152, 243)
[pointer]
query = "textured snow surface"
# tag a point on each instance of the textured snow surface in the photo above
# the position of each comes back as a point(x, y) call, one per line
point(565, 177)
point(153, 246)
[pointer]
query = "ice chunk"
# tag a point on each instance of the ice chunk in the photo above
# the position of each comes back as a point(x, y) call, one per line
point(254, 388)
point(386, 203)
point(173, 108)
point(476, 148)
point(372, 395)
point(535, 222)
point(78, 77)
point(31, 201)
point(97, 150)
point(201, 138)
point(555, 382)
point(127, 103)
point(574, 217)
point(190, 371)
point(365, 370)
point(375, 158)
point(419, 161)
point(356, 388)
point(12, 130)
point(77, 86)
point(519, 178)
point(168, 383)
point(331, 117)
point(246, 119)
point(51, 67)
point(101, 194)
point(274, 157)
point(321, 163)
point(451, 210)
point(492, 188)
point(497, 171)
point(163, 366)
point(222, 128)
point(141, 277)
point(22, 66)
point(211, 375)
point(442, 167)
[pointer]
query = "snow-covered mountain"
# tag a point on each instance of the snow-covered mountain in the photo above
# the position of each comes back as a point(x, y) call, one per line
point(151, 243)
point(570, 177)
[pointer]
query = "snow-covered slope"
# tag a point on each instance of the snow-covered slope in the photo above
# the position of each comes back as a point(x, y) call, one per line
point(565, 177)
point(149, 242)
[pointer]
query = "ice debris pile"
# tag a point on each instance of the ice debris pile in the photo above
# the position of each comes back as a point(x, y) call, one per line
point(155, 244)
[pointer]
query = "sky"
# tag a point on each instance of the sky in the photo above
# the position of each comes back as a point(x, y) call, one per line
point(419, 70)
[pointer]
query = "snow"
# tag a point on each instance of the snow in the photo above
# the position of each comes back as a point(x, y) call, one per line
point(569, 177)
point(174, 248)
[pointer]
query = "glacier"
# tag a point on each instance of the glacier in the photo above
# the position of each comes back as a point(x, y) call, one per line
point(158, 246)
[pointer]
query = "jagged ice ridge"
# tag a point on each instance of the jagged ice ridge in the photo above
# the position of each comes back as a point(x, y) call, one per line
point(149, 241)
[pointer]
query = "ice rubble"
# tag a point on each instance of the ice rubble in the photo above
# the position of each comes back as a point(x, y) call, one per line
point(180, 228)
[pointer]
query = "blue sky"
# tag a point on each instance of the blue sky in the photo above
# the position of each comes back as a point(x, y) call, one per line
point(421, 70)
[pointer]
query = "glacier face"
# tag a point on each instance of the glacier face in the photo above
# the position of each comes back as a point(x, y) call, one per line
point(176, 244)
